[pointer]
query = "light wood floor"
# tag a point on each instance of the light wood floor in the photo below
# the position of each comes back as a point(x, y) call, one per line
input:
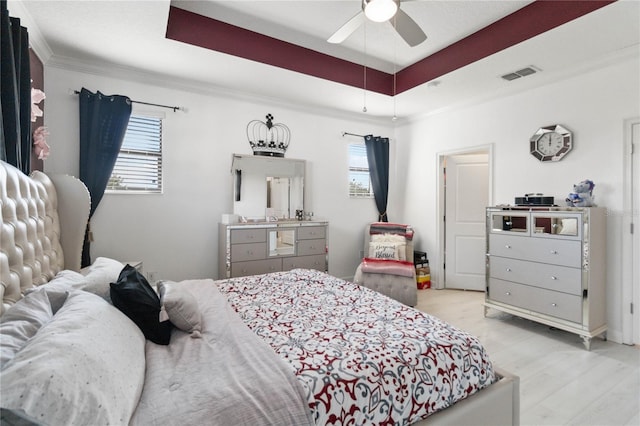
point(561, 383)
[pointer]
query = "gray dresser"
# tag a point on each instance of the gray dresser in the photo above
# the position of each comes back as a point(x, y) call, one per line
point(262, 247)
point(547, 264)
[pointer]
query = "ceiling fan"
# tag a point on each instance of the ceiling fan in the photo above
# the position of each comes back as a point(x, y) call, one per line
point(381, 11)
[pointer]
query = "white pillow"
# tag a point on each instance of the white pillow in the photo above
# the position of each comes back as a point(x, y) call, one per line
point(100, 274)
point(387, 250)
point(94, 278)
point(85, 366)
point(181, 307)
point(103, 267)
point(399, 240)
point(388, 238)
point(384, 250)
point(21, 322)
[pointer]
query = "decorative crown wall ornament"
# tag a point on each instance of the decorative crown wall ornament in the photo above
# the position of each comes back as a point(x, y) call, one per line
point(268, 139)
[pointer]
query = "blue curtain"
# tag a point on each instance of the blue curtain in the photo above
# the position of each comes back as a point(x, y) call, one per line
point(103, 123)
point(15, 93)
point(378, 158)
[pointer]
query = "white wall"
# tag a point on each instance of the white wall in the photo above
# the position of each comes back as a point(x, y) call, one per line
point(175, 234)
point(593, 105)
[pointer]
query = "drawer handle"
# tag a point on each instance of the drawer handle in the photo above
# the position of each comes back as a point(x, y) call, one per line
point(554, 252)
point(554, 278)
point(508, 293)
point(507, 246)
point(508, 269)
point(554, 305)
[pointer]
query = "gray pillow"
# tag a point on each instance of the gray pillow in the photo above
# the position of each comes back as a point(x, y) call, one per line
point(181, 307)
point(22, 321)
point(85, 366)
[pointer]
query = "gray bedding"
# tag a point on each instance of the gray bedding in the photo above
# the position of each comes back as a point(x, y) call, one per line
point(198, 380)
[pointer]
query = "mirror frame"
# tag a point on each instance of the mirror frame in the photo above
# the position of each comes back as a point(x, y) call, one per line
point(250, 190)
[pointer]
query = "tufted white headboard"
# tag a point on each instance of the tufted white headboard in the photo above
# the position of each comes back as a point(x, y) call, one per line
point(43, 223)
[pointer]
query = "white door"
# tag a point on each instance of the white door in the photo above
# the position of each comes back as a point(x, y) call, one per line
point(466, 197)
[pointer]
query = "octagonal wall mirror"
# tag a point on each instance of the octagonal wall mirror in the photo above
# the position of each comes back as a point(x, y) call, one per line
point(267, 186)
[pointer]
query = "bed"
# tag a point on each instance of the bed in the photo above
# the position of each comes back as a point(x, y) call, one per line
point(297, 347)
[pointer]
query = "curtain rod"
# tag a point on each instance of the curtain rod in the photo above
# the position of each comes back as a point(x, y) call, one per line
point(351, 134)
point(174, 108)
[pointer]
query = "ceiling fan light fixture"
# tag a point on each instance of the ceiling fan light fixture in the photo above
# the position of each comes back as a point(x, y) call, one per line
point(380, 10)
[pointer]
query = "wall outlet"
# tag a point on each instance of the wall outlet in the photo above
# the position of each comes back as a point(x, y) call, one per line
point(151, 277)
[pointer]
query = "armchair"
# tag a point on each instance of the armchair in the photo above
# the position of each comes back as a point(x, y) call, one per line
point(387, 266)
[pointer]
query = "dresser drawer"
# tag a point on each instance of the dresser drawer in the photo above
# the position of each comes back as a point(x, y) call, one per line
point(552, 277)
point(244, 252)
point(508, 292)
point(311, 232)
point(242, 269)
point(239, 236)
point(318, 262)
point(309, 247)
point(556, 304)
point(554, 251)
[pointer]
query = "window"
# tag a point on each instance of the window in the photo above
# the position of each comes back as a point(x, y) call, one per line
point(139, 164)
point(359, 179)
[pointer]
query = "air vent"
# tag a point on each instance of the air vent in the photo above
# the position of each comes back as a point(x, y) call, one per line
point(520, 73)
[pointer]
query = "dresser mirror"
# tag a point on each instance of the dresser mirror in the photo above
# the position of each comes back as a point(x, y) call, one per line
point(267, 188)
point(509, 222)
point(566, 225)
point(282, 242)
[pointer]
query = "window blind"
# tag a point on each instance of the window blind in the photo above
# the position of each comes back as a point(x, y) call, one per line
point(139, 164)
point(359, 178)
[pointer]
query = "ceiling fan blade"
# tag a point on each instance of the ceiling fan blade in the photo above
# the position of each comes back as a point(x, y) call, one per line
point(347, 29)
point(408, 29)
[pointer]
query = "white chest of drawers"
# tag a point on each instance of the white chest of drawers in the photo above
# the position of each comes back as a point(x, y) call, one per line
point(547, 264)
point(259, 248)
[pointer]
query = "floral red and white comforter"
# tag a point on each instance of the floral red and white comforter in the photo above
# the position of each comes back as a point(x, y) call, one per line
point(361, 357)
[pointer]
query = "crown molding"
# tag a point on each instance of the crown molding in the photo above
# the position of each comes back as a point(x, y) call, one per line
point(37, 41)
point(629, 53)
point(106, 69)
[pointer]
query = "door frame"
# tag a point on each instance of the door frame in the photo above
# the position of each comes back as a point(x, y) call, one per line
point(441, 159)
point(630, 241)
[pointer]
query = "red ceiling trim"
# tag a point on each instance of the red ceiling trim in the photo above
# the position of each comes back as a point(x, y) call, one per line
point(530, 21)
point(198, 30)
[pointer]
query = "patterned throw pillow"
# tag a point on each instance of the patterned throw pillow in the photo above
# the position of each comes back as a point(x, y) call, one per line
point(387, 251)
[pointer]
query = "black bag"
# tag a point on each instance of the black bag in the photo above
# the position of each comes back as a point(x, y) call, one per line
point(133, 295)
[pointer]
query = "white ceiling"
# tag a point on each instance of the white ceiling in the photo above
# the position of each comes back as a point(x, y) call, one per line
point(127, 38)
